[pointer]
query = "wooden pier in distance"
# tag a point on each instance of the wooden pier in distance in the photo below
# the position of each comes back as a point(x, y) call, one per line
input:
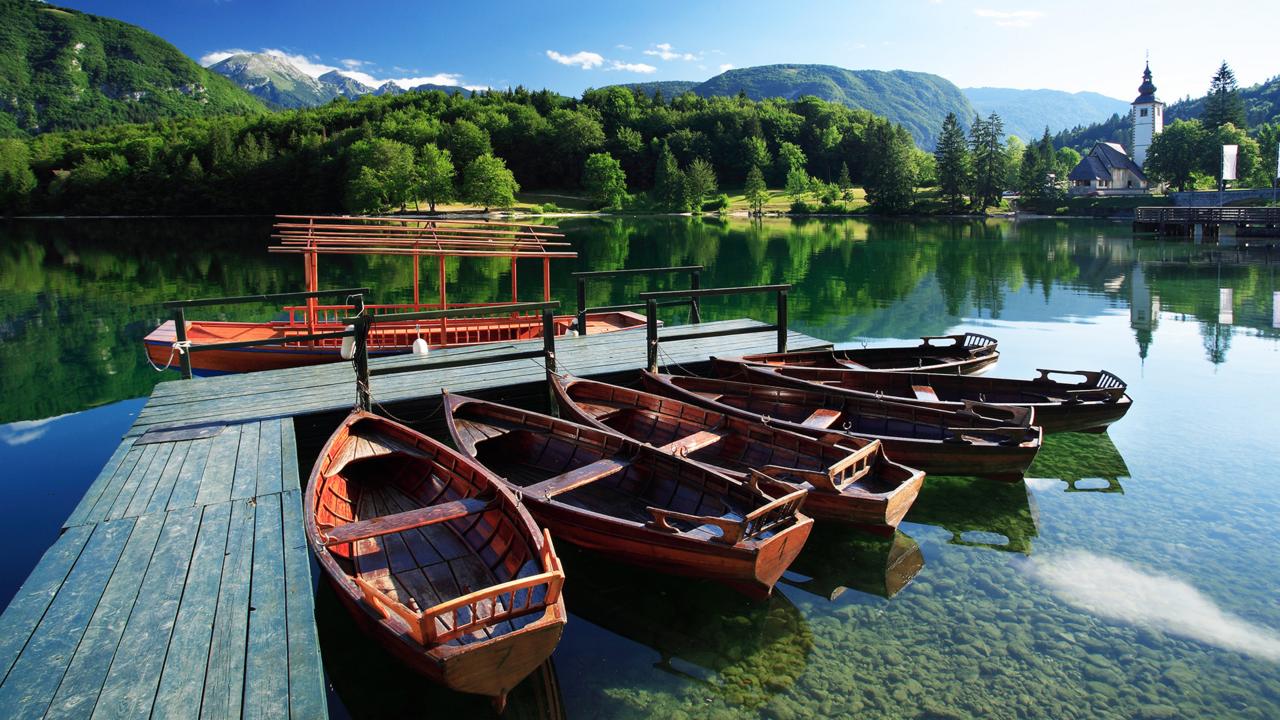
point(181, 585)
point(1207, 223)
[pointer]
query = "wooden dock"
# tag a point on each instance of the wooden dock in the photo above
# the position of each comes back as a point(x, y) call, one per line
point(181, 585)
point(1200, 223)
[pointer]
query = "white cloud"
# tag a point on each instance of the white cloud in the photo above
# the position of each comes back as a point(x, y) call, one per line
point(666, 52)
point(1115, 589)
point(1009, 18)
point(582, 58)
point(620, 46)
point(726, 66)
point(218, 56)
point(632, 67)
point(352, 64)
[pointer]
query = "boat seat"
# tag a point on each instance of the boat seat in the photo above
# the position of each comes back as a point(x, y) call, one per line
point(407, 520)
point(924, 392)
point(822, 418)
point(691, 443)
point(573, 479)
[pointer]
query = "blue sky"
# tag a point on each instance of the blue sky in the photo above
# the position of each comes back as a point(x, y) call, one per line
point(570, 46)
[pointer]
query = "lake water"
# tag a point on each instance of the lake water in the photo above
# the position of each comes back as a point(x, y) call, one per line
point(1133, 575)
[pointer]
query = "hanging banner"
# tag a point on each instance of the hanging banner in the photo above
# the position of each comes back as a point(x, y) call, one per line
point(1229, 153)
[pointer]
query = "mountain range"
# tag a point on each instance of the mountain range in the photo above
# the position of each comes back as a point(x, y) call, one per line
point(67, 70)
point(917, 101)
point(279, 84)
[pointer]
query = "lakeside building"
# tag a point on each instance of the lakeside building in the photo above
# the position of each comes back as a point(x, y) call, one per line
point(1108, 169)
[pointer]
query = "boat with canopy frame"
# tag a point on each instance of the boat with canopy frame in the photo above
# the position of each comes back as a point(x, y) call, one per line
point(414, 237)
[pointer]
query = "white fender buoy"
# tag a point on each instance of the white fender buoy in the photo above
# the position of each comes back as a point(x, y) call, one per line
point(348, 350)
point(420, 347)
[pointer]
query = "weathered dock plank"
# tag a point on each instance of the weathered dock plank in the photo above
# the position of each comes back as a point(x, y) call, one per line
point(36, 594)
point(244, 482)
point(220, 468)
point(224, 679)
point(306, 686)
point(30, 685)
point(78, 692)
point(187, 487)
point(99, 484)
point(130, 686)
point(267, 654)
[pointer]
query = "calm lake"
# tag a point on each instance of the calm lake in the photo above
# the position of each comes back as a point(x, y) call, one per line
point(1133, 575)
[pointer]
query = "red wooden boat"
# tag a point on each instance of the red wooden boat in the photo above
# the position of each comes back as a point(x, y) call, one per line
point(852, 482)
point(965, 354)
point(440, 240)
point(983, 440)
point(433, 557)
point(1090, 405)
point(629, 501)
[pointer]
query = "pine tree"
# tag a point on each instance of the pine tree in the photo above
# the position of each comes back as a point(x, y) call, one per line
point(954, 163)
point(890, 177)
point(1223, 104)
point(756, 191)
point(668, 181)
point(699, 183)
point(989, 169)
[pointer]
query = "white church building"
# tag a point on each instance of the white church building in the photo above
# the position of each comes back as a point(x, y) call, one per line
point(1108, 169)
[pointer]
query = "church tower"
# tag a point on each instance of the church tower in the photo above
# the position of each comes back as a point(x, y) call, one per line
point(1148, 118)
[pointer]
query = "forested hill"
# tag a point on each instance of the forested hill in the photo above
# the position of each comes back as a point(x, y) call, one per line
point(1261, 102)
point(65, 70)
point(917, 101)
point(1026, 113)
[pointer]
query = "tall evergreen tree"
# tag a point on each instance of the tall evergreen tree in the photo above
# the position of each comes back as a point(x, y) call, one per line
point(954, 165)
point(1038, 174)
point(1224, 104)
point(890, 176)
point(699, 183)
point(756, 191)
point(668, 181)
point(989, 168)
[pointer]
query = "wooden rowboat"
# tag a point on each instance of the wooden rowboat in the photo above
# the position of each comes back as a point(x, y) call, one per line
point(433, 557)
point(604, 492)
point(1086, 406)
point(984, 440)
point(853, 482)
point(965, 354)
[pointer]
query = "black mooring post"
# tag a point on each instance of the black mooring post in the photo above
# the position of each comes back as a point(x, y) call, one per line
point(180, 330)
point(782, 321)
point(364, 399)
point(582, 306)
point(695, 311)
point(651, 333)
point(549, 357)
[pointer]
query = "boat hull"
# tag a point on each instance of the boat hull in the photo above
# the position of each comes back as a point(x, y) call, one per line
point(388, 339)
point(1079, 415)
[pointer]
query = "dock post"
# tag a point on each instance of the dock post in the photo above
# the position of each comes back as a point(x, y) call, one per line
point(695, 310)
point(651, 333)
point(582, 306)
point(782, 321)
point(549, 355)
point(364, 398)
point(180, 330)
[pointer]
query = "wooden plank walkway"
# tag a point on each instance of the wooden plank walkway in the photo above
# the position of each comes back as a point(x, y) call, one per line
point(183, 571)
point(181, 586)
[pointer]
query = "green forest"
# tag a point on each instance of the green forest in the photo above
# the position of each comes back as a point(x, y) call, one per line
point(427, 147)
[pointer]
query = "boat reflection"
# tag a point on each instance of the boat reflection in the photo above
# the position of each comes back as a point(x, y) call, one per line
point(740, 650)
point(1086, 462)
point(838, 559)
point(367, 682)
point(978, 513)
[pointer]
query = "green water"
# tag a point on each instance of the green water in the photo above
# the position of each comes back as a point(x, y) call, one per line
point(1133, 575)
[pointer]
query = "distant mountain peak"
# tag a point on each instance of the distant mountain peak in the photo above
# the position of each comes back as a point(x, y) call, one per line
point(347, 87)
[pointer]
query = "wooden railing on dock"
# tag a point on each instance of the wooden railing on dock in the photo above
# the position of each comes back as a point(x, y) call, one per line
point(180, 321)
point(1207, 215)
point(652, 300)
point(695, 279)
point(364, 322)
